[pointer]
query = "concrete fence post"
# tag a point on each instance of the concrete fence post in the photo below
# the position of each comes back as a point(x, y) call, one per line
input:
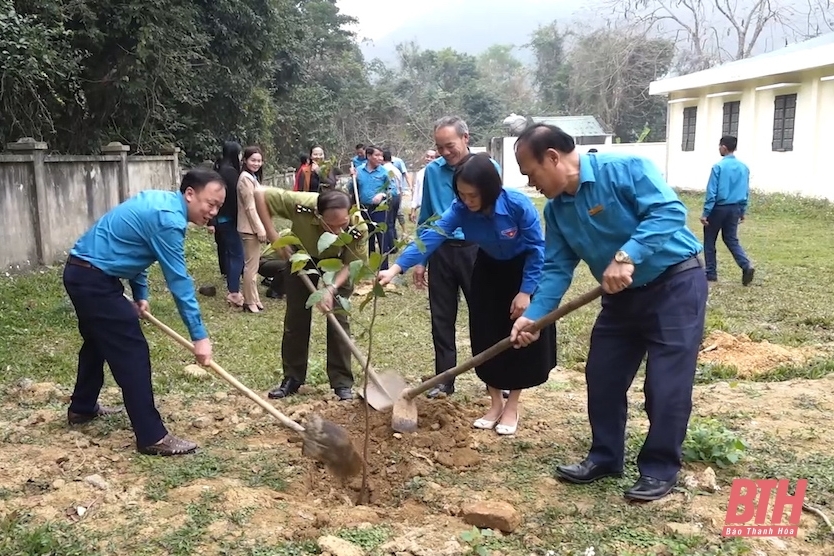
point(173, 152)
point(114, 147)
point(37, 194)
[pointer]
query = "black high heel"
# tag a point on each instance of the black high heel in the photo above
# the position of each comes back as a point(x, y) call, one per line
point(246, 309)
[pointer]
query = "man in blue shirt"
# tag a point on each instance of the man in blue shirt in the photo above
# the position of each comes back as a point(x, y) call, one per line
point(451, 264)
point(724, 207)
point(377, 188)
point(359, 158)
point(122, 244)
point(615, 212)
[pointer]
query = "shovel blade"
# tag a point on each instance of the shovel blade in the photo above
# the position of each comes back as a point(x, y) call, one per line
point(404, 416)
point(383, 398)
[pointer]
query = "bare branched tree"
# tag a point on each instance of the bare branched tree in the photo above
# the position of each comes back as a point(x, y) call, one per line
point(709, 32)
point(612, 68)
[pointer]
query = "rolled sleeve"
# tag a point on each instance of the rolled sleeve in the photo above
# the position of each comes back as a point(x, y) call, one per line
point(169, 246)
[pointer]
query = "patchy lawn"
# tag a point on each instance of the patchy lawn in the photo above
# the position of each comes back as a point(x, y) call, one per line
point(764, 382)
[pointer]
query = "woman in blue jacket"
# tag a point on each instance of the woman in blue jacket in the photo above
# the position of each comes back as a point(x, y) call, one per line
point(505, 225)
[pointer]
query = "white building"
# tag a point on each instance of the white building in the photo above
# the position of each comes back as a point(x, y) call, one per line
point(779, 105)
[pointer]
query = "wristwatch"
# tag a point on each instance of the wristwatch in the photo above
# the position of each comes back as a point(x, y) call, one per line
point(622, 257)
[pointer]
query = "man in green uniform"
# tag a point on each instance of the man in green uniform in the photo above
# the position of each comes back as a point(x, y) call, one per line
point(311, 215)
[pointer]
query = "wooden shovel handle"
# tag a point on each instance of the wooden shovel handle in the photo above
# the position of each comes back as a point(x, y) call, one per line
point(504, 344)
point(220, 372)
point(354, 349)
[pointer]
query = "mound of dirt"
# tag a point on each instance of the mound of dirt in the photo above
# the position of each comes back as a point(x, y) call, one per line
point(443, 439)
point(749, 357)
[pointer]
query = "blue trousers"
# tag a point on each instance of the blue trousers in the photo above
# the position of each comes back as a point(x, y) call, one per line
point(664, 319)
point(110, 328)
point(381, 242)
point(230, 250)
point(723, 219)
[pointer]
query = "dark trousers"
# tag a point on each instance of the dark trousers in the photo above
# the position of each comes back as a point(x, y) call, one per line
point(450, 271)
point(665, 320)
point(110, 328)
point(723, 219)
point(381, 239)
point(231, 255)
point(295, 347)
point(276, 271)
point(393, 217)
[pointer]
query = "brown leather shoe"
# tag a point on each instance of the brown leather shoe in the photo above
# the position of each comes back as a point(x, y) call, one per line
point(169, 446)
point(101, 411)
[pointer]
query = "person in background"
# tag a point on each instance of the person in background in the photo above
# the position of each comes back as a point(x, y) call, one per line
point(229, 244)
point(616, 212)
point(311, 215)
point(417, 190)
point(250, 227)
point(149, 227)
point(310, 178)
point(303, 165)
point(505, 226)
point(359, 158)
point(452, 262)
point(375, 188)
point(725, 205)
point(395, 201)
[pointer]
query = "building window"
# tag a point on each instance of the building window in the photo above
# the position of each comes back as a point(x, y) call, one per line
point(689, 116)
point(731, 112)
point(784, 114)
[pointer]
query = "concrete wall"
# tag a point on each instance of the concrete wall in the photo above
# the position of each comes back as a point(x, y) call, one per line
point(48, 201)
point(803, 170)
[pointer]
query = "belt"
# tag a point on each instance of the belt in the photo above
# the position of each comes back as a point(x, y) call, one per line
point(690, 263)
point(458, 242)
point(75, 261)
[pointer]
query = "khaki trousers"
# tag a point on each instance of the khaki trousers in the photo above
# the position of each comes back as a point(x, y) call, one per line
point(251, 261)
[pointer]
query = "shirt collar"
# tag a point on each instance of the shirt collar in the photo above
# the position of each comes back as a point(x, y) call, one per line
point(184, 205)
point(502, 204)
point(586, 170)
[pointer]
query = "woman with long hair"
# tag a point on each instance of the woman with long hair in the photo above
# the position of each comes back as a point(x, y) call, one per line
point(249, 226)
point(506, 226)
point(229, 244)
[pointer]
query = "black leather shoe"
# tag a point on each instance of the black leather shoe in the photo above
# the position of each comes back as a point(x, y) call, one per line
point(289, 386)
point(747, 276)
point(647, 489)
point(343, 393)
point(585, 472)
point(441, 390)
point(74, 418)
point(272, 294)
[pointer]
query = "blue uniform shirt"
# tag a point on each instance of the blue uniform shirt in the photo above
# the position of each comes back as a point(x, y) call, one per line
point(358, 161)
point(129, 238)
point(513, 228)
point(370, 182)
point(729, 184)
point(622, 203)
point(438, 194)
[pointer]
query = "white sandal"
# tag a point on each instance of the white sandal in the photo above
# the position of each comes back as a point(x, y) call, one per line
point(486, 424)
point(508, 430)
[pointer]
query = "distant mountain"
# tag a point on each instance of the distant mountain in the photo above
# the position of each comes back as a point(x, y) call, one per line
point(472, 26)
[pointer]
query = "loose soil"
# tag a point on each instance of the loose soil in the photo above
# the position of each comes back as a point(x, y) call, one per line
point(419, 481)
point(749, 357)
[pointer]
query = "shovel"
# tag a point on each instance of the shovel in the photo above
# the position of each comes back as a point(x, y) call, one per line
point(404, 417)
point(383, 388)
point(323, 441)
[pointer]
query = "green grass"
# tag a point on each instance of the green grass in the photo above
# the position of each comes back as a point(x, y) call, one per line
point(789, 239)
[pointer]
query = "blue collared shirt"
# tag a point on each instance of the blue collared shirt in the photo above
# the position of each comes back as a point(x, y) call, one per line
point(398, 162)
point(146, 228)
point(729, 184)
point(358, 161)
point(370, 182)
point(622, 203)
point(513, 228)
point(438, 194)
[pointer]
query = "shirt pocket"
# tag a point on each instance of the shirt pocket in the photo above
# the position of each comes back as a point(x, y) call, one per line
point(608, 219)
